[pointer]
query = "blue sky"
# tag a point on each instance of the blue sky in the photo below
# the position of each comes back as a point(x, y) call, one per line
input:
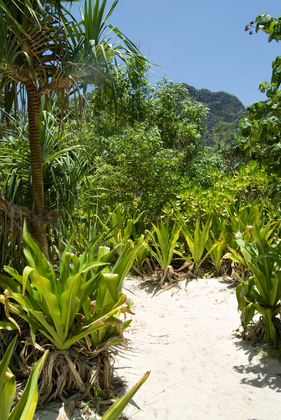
point(203, 42)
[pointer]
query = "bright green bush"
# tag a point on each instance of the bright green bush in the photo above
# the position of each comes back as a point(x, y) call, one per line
point(133, 168)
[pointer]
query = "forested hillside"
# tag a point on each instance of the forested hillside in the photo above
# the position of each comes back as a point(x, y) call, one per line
point(223, 118)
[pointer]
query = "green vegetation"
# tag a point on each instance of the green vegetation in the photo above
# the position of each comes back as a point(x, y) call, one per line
point(128, 175)
point(46, 52)
point(197, 242)
point(164, 240)
point(25, 407)
point(225, 112)
point(262, 291)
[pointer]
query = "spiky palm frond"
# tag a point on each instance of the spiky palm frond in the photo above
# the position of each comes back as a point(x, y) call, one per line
point(41, 43)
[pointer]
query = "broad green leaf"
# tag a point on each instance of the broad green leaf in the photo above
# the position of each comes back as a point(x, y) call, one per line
point(35, 257)
point(48, 330)
point(274, 294)
point(64, 268)
point(235, 256)
point(94, 325)
point(50, 304)
point(124, 264)
point(270, 330)
point(260, 282)
point(26, 272)
point(9, 282)
point(107, 291)
point(71, 301)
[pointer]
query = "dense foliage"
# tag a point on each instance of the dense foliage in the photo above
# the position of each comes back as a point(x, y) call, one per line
point(137, 184)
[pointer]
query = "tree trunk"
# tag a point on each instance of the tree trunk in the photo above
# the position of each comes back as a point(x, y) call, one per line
point(38, 222)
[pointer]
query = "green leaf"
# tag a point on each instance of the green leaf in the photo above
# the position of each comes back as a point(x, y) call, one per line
point(71, 301)
point(9, 326)
point(48, 330)
point(94, 325)
point(50, 304)
point(164, 240)
point(119, 406)
point(7, 395)
point(26, 406)
point(35, 257)
point(4, 405)
point(270, 330)
point(124, 263)
point(107, 291)
point(198, 242)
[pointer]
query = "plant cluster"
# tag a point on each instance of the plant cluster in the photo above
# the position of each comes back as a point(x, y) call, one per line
point(140, 192)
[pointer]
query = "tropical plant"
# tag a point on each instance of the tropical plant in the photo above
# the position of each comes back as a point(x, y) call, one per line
point(56, 156)
point(249, 183)
point(205, 168)
point(164, 239)
point(157, 126)
point(262, 292)
point(166, 105)
point(133, 99)
point(217, 252)
point(242, 216)
point(240, 268)
point(63, 171)
point(48, 304)
point(45, 50)
point(197, 242)
point(143, 253)
point(83, 299)
point(119, 228)
point(25, 407)
point(239, 229)
point(79, 228)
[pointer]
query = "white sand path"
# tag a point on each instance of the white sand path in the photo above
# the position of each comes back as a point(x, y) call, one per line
point(199, 368)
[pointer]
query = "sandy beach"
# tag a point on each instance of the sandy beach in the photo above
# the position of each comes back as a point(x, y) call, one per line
point(200, 369)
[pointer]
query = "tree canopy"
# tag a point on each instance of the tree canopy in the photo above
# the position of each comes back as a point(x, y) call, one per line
point(45, 51)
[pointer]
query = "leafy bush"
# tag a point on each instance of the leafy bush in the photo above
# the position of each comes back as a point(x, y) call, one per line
point(198, 241)
point(50, 305)
point(79, 301)
point(164, 239)
point(262, 291)
point(135, 169)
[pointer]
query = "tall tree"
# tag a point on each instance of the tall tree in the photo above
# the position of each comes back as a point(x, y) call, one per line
point(260, 132)
point(43, 50)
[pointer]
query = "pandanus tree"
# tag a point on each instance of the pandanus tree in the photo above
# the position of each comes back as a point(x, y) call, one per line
point(45, 51)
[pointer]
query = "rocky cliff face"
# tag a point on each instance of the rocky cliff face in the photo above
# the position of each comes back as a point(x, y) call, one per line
point(225, 112)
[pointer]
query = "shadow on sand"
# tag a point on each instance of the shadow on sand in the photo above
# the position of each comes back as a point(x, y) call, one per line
point(261, 371)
